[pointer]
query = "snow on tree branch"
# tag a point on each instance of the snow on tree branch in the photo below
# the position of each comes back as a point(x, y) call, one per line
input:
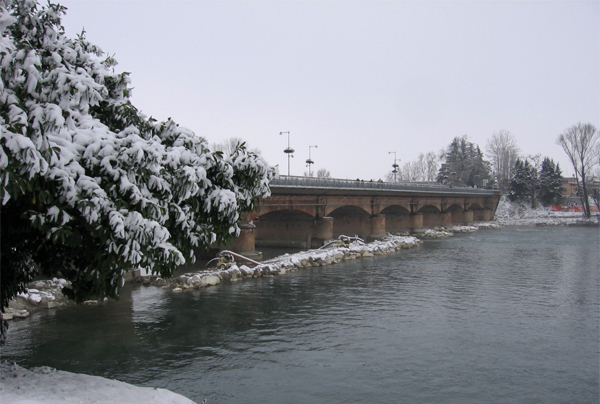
point(90, 186)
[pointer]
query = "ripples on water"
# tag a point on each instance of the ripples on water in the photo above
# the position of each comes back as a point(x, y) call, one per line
point(503, 316)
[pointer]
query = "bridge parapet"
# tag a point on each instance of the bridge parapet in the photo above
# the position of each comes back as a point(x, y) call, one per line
point(285, 181)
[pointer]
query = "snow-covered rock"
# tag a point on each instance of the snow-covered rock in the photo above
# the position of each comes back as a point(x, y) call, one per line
point(431, 233)
point(41, 294)
point(211, 280)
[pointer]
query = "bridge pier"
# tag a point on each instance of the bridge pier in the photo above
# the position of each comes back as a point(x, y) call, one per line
point(397, 223)
point(457, 217)
point(468, 217)
point(483, 215)
point(416, 222)
point(446, 219)
point(487, 215)
point(284, 229)
point(322, 231)
point(352, 225)
point(377, 227)
point(432, 219)
point(245, 243)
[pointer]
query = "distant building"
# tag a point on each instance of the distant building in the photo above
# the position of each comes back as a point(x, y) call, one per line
point(571, 199)
point(570, 186)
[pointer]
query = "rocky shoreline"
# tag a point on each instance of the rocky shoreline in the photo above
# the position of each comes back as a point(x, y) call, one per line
point(283, 264)
point(47, 294)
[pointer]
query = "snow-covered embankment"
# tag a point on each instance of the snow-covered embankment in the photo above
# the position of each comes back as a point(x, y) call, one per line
point(285, 263)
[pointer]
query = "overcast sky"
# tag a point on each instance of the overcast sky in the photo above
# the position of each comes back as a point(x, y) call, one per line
point(358, 79)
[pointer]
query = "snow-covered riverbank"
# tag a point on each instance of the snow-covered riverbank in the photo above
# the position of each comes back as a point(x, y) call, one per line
point(285, 263)
point(521, 214)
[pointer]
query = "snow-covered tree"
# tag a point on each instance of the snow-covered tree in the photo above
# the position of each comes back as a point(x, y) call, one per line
point(90, 186)
point(524, 183)
point(536, 179)
point(464, 165)
point(551, 188)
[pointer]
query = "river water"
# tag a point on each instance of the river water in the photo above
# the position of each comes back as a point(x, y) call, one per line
point(496, 316)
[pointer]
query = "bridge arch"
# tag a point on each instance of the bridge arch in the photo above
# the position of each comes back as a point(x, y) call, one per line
point(270, 206)
point(429, 209)
point(457, 213)
point(454, 208)
point(351, 220)
point(480, 213)
point(432, 216)
point(397, 219)
point(284, 227)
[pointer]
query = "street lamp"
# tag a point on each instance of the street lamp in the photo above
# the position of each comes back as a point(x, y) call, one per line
point(288, 151)
point(309, 162)
point(395, 165)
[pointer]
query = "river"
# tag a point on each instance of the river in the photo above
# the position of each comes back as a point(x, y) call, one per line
point(496, 316)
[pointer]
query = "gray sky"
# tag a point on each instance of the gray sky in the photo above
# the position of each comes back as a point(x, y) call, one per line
point(358, 79)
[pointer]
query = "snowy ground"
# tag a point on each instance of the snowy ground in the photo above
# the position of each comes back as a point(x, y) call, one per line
point(521, 214)
point(49, 386)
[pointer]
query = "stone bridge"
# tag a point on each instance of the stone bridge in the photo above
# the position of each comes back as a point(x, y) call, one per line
point(303, 212)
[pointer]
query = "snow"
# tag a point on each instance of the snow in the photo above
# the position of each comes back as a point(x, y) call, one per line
point(521, 214)
point(45, 385)
point(155, 183)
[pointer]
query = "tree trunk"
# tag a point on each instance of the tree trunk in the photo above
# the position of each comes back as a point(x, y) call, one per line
point(582, 190)
point(586, 200)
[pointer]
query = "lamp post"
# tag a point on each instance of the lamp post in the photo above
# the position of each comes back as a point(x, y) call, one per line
point(288, 151)
point(395, 165)
point(309, 162)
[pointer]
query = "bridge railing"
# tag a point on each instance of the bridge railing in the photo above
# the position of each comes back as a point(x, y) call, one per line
point(338, 183)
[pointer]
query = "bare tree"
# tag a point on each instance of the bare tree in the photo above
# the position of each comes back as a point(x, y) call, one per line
point(580, 143)
point(432, 166)
point(503, 153)
point(323, 173)
point(420, 168)
point(410, 171)
point(425, 168)
point(229, 146)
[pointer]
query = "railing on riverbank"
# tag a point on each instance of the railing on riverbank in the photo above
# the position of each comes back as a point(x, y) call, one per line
point(338, 183)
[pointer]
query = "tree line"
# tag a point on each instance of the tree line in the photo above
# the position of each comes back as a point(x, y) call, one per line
point(533, 178)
